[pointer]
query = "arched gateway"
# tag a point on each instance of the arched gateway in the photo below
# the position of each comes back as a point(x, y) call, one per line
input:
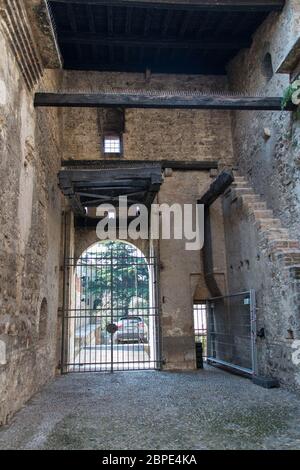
point(112, 323)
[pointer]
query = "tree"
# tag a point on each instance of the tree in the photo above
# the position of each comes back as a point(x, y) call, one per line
point(120, 274)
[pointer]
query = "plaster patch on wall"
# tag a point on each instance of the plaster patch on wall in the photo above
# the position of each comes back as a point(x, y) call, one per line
point(2, 353)
point(25, 204)
point(3, 93)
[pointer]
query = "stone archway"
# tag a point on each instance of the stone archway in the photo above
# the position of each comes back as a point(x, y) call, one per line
point(112, 320)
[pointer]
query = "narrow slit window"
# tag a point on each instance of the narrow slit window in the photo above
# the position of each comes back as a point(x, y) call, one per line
point(112, 144)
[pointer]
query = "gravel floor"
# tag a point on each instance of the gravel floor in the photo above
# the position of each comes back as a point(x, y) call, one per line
point(150, 410)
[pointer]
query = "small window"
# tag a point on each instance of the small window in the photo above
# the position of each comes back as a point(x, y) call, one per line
point(112, 144)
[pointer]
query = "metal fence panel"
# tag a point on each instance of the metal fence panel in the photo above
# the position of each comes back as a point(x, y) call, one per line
point(231, 338)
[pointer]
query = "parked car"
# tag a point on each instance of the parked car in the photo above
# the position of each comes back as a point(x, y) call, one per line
point(131, 329)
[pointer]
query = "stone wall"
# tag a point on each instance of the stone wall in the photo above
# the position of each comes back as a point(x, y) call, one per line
point(262, 250)
point(29, 235)
point(260, 256)
point(271, 163)
point(150, 134)
point(178, 270)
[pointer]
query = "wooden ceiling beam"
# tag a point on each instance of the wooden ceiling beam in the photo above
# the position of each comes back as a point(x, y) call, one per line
point(184, 24)
point(110, 30)
point(167, 22)
point(143, 100)
point(208, 68)
point(136, 41)
point(110, 26)
point(73, 23)
point(147, 23)
point(128, 24)
point(92, 28)
point(200, 5)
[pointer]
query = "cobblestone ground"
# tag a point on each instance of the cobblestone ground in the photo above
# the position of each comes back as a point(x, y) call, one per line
point(151, 410)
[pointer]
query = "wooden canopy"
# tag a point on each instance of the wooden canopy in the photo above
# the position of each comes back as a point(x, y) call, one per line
point(87, 188)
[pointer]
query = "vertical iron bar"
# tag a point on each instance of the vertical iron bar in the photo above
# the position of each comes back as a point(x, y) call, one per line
point(157, 309)
point(253, 330)
point(63, 345)
point(111, 311)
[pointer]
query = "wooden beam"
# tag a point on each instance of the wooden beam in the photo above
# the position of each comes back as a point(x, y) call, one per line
point(128, 23)
point(110, 30)
point(215, 190)
point(72, 20)
point(157, 100)
point(90, 187)
point(139, 44)
point(167, 22)
point(110, 26)
point(187, 67)
point(147, 23)
point(218, 187)
point(185, 22)
point(92, 28)
point(200, 5)
point(146, 41)
point(108, 175)
point(178, 165)
point(91, 222)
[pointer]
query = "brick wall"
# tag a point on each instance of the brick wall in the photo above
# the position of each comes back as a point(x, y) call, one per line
point(150, 134)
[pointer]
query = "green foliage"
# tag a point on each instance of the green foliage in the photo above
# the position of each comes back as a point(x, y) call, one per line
point(288, 95)
point(121, 276)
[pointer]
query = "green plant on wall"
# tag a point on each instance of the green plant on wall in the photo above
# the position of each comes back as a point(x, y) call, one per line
point(292, 95)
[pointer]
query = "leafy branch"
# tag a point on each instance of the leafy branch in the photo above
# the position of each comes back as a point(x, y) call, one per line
point(292, 96)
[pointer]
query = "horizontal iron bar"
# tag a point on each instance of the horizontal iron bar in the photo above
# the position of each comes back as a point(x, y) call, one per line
point(90, 366)
point(176, 101)
point(101, 317)
point(201, 5)
point(229, 295)
point(230, 365)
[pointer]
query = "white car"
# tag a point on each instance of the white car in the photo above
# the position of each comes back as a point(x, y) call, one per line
point(131, 329)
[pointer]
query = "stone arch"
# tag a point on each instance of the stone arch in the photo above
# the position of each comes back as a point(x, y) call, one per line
point(85, 239)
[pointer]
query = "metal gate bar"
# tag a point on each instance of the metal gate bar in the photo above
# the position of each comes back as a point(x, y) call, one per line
point(112, 321)
point(231, 339)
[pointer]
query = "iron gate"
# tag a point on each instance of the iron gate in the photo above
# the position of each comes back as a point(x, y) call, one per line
point(231, 331)
point(112, 320)
point(200, 332)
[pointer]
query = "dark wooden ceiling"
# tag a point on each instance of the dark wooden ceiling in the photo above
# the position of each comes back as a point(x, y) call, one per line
point(171, 36)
